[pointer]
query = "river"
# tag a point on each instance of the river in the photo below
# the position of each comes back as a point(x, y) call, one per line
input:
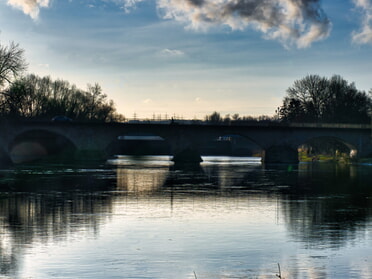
point(140, 217)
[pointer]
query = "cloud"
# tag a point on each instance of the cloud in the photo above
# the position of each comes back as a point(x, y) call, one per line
point(45, 66)
point(298, 22)
point(292, 22)
point(29, 7)
point(364, 36)
point(147, 101)
point(130, 4)
point(172, 52)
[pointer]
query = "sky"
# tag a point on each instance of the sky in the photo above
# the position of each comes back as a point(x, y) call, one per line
point(189, 58)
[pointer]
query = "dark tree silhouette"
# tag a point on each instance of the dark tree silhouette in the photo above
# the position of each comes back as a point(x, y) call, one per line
point(215, 118)
point(318, 99)
point(42, 98)
point(12, 63)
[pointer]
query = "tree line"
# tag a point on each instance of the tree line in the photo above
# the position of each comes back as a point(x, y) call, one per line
point(217, 118)
point(32, 97)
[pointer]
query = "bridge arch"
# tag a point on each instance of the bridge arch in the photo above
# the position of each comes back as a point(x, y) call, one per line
point(334, 147)
point(311, 149)
point(138, 144)
point(37, 144)
point(231, 144)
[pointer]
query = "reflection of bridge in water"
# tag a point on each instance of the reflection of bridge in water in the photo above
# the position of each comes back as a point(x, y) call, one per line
point(278, 142)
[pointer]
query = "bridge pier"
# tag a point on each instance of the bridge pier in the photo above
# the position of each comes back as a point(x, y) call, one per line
point(184, 146)
point(280, 154)
point(187, 156)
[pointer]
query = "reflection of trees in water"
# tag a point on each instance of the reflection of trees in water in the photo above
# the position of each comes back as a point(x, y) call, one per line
point(8, 251)
point(325, 222)
point(32, 214)
point(29, 216)
point(326, 204)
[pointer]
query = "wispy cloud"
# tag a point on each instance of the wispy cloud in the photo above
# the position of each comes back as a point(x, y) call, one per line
point(364, 36)
point(130, 4)
point(298, 22)
point(147, 101)
point(45, 66)
point(172, 52)
point(29, 7)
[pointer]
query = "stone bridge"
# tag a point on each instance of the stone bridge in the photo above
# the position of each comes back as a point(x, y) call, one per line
point(279, 142)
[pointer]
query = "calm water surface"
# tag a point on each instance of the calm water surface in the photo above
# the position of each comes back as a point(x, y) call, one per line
point(142, 218)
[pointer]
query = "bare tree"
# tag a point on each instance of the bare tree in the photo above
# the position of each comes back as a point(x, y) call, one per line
point(12, 63)
point(327, 100)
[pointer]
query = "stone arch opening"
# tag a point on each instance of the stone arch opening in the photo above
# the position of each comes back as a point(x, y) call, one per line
point(39, 144)
point(139, 144)
point(231, 145)
point(327, 149)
